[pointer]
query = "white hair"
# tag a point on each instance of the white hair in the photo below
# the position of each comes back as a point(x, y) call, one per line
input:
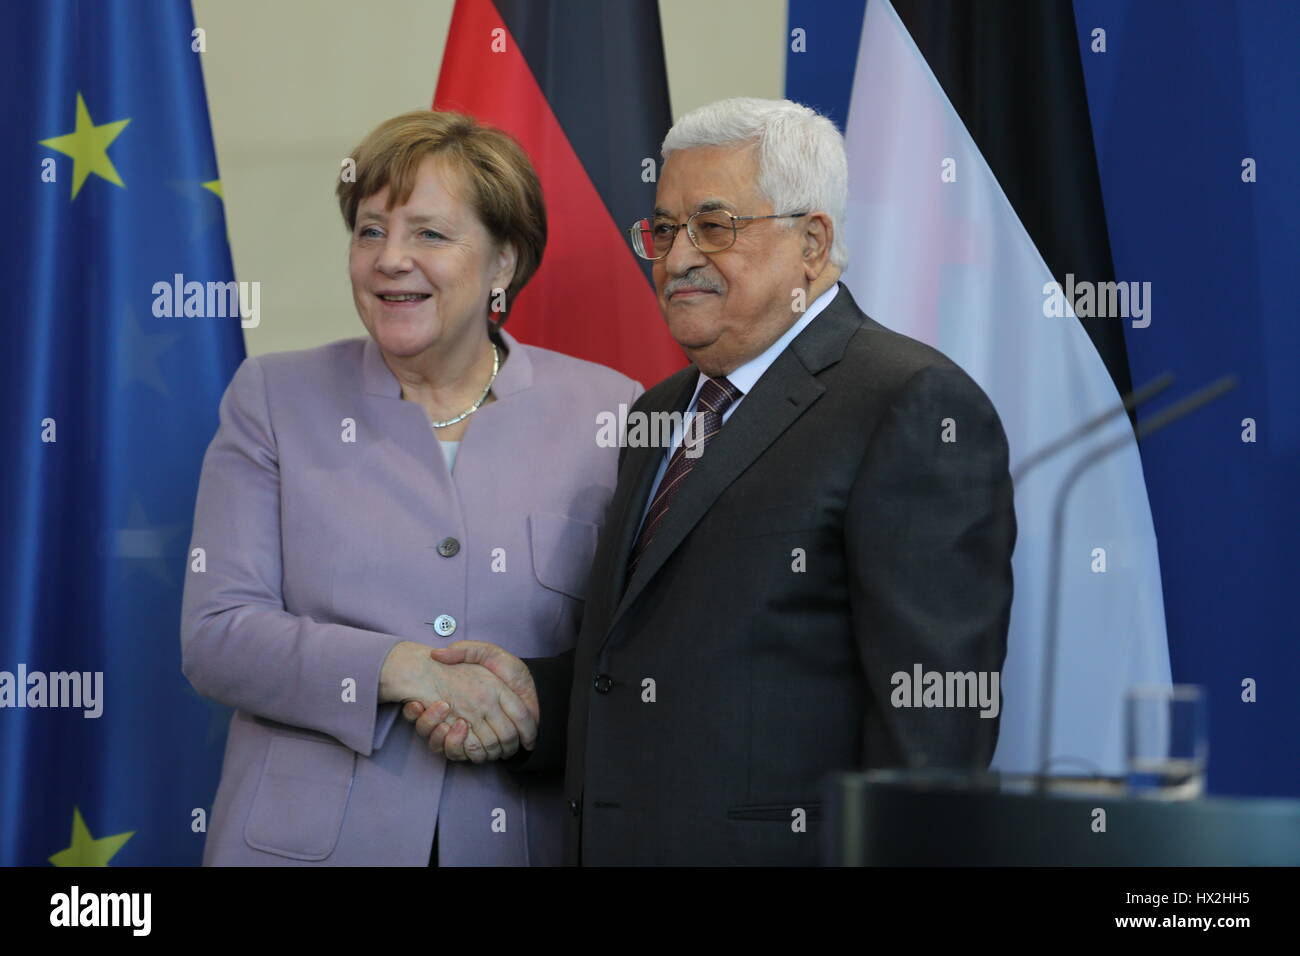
point(802, 165)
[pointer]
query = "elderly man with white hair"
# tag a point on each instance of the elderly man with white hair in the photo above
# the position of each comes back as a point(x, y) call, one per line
point(796, 585)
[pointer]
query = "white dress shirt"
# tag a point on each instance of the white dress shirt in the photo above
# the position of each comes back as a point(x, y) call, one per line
point(744, 379)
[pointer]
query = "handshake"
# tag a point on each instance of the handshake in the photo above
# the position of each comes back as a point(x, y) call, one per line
point(471, 700)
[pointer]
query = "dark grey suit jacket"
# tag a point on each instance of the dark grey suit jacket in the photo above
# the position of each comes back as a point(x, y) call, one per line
point(828, 538)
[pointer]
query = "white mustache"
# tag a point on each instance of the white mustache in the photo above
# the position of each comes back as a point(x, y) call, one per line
point(690, 282)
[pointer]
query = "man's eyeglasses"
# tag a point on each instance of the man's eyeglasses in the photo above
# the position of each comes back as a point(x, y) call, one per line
point(710, 231)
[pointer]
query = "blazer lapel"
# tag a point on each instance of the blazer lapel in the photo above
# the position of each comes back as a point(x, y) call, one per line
point(642, 464)
point(785, 391)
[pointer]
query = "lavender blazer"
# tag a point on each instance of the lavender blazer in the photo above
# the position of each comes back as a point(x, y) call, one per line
point(331, 530)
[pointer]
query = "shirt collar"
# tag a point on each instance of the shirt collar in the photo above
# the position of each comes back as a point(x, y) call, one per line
point(747, 375)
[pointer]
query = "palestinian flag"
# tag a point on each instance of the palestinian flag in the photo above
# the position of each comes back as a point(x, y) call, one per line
point(976, 224)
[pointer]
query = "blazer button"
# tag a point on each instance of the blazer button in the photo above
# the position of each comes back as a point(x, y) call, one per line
point(603, 683)
point(445, 625)
point(573, 807)
point(448, 547)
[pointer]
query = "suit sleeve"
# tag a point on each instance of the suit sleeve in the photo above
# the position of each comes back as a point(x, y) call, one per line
point(553, 678)
point(239, 645)
point(930, 528)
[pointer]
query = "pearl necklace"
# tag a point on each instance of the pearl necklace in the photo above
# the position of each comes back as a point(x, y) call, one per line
point(496, 367)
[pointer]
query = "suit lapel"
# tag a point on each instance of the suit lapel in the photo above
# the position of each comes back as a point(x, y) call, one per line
point(784, 392)
point(641, 465)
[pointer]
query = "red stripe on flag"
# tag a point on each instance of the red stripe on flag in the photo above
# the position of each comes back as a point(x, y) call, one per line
point(589, 298)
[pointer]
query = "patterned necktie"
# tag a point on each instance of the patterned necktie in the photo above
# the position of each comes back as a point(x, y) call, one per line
point(715, 398)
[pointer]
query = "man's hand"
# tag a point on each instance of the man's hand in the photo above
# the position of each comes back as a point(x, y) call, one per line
point(490, 719)
point(454, 737)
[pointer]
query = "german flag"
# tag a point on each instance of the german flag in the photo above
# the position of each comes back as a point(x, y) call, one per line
point(581, 84)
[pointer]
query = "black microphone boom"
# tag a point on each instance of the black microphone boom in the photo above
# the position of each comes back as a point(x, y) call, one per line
point(1130, 401)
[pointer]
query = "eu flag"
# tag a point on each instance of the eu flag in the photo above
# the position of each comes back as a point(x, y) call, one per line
point(109, 400)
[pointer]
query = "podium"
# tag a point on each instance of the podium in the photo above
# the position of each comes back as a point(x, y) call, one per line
point(897, 818)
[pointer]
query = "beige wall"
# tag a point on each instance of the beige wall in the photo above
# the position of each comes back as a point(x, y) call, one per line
point(293, 85)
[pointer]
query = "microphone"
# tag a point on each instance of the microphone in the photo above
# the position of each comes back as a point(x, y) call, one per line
point(1144, 429)
point(1131, 401)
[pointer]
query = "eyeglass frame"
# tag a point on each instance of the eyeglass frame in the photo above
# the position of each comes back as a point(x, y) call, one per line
point(690, 233)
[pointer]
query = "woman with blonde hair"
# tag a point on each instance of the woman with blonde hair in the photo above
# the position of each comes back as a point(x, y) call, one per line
point(364, 501)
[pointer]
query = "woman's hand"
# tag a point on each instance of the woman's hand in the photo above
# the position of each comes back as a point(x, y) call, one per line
point(450, 737)
point(476, 703)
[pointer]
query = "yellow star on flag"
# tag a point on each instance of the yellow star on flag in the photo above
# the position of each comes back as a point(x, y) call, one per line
point(85, 849)
point(88, 147)
point(214, 186)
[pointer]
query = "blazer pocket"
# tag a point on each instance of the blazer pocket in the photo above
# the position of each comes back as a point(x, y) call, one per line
point(300, 801)
point(752, 523)
point(774, 812)
point(563, 550)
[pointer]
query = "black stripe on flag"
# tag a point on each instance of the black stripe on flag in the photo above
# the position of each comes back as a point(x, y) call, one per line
point(601, 67)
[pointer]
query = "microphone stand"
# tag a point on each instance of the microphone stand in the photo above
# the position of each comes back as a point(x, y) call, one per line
point(1144, 429)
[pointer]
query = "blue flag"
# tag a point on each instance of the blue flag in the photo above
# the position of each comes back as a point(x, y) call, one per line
point(110, 392)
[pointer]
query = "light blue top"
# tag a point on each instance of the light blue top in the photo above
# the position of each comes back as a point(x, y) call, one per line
point(449, 449)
